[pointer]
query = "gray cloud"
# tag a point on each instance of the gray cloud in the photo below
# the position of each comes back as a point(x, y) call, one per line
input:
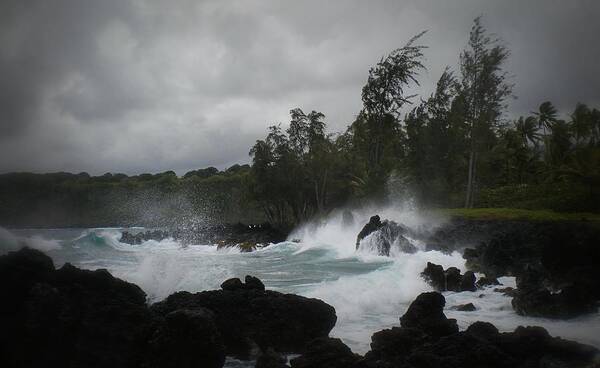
point(137, 85)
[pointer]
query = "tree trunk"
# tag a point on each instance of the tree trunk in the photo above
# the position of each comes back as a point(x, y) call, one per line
point(468, 198)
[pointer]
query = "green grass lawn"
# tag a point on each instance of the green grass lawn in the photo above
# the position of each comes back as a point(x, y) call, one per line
point(517, 214)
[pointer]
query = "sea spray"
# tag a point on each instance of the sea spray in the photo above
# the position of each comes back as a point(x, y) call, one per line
point(369, 291)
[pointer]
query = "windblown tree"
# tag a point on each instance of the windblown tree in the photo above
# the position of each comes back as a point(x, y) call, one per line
point(433, 142)
point(484, 88)
point(377, 131)
point(294, 172)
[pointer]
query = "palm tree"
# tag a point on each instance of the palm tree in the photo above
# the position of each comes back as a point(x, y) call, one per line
point(527, 129)
point(546, 117)
point(581, 122)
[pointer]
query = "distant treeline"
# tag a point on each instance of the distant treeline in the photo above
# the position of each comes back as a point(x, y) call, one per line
point(454, 148)
point(81, 200)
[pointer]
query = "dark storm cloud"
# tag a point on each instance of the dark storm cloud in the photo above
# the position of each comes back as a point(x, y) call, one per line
point(148, 86)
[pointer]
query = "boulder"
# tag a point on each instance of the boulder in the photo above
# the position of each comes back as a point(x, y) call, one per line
point(487, 281)
point(435, 276)
point(396, 344)
point(448, 280)
point(139, 238)
point(534, 298)
point(468, 307)
point(373, 225)
point(232, 284)
point(326, 352)
point(480, 345)
point(72, 317)
point(186, 339)
point(386, 234)
point(467, 282)
point(426, 313)
point(249, 317)
point(253, 283)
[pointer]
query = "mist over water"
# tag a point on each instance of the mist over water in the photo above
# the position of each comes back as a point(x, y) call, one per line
point(369, 292)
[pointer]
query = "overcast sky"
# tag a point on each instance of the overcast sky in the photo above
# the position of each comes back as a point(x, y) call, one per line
point(148, 86)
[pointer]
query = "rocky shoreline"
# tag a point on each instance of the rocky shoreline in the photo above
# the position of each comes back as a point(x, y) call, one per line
point(74, 317)
point(555, 263)
point(246, 237)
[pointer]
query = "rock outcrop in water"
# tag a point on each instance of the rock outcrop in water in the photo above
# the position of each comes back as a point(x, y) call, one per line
point(555, 265)
point(139, 238)
point(246, 237)
point(448, 280)
point(387, 234)
point(428, 339)
point(251, 318)
point(78, 318)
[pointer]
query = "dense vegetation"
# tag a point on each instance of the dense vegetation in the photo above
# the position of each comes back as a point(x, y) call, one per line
point(455, 148)
point(63, 199)
point(452, 149)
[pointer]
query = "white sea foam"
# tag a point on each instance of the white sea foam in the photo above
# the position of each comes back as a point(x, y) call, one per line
point(369, 292)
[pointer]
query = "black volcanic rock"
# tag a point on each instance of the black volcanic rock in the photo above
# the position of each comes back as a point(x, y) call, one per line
point(246, 237)
point(426, 313)
point(396, 344)
point(232, 284)
point(448, 280)
point(139, 238)
point(418, 345)
point(435, 276)
point(250, 317)
point(487, 281)
point(186, 339)
point(533, 298)
point(373, 225)
point(468, 307)
point(70, 317)
point(326, 352)
point(253, 283)
point(271, 359)
point(388, 233)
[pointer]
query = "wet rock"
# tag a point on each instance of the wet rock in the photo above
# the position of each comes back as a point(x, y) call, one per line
point(469, 307)
point(453, 279)
point(487, 281)
point(386, 234)
point(232, 284)
point(534, 345)
point(448, 280)
point(73, 317)
point(426, 313)
point(396, 344)
point(249, 317)
point(508, 291)
point(534, 298)
point(246, 237)
point(480, 345)
point(373, 225)
point(435, 276)
point(186, 339)
point(253, 283)
point(271, 359)
point(139, 238)
point(326, 352)
point(467, 282)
